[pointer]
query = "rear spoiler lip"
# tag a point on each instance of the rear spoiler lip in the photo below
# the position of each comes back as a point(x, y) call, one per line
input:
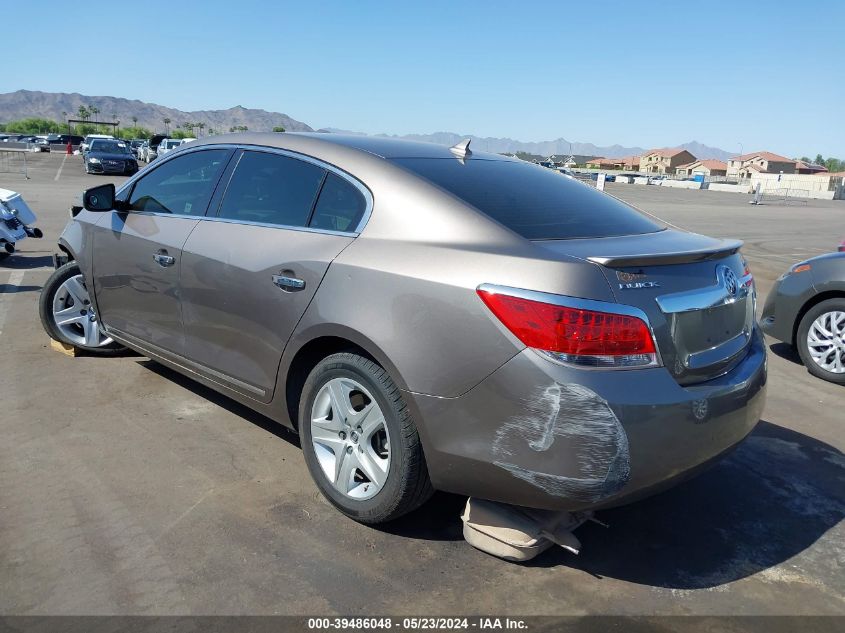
point(726, 248)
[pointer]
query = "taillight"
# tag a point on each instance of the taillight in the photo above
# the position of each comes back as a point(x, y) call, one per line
point(575, 335)
point(747, 277)
point(841, 248)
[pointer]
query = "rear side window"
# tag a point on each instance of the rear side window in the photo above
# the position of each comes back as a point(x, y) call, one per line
point(182, 186)
point(535, 202)
point(340, 206)
point(272, 189)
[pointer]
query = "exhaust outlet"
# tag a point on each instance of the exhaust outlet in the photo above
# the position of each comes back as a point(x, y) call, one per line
point(33, 232)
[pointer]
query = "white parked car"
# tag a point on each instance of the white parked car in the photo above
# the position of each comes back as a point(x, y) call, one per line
point(83, 147)
point(167, 145)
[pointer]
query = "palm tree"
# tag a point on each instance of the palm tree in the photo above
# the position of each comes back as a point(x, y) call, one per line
point(200, 126)
point(83, 113)
point(95, 111)
point(135, 123)
point(166, 125)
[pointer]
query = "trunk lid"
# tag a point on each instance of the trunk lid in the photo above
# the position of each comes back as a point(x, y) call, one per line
point(699, 299)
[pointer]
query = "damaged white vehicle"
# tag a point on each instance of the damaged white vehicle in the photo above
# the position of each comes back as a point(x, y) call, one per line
point(16, 219)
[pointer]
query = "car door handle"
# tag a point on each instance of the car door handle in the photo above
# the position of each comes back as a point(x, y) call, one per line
point(163, 259)
point(289, 284)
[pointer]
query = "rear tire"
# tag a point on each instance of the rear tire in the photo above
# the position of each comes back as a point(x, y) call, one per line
point(359, 417)
point(821, 316)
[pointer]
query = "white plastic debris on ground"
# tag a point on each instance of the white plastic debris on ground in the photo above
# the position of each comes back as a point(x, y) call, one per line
point(519, 534)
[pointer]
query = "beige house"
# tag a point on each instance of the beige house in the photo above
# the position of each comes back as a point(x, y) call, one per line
point(664, 161)
point(707, 167)
point(760, 162)
point(626, 162)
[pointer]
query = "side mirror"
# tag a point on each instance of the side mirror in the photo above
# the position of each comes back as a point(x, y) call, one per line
point(99, 198)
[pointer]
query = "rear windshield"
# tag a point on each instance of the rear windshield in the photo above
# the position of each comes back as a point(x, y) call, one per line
point(535, 202)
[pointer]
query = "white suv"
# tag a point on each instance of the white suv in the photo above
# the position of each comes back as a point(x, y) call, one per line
point(84, 145)
point(168, 145)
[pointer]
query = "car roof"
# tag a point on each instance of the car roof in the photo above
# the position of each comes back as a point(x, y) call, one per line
point(381, 146)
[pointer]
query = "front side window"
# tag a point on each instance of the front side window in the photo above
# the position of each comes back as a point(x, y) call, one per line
point(182, 186)
point(272, 189)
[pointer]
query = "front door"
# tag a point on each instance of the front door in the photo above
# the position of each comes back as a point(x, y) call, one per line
point(137, 252)
point(249, 273)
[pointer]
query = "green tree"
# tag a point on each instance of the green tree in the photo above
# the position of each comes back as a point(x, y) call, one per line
point(83, 113)
point(819, 160)
point(278, 128)
point(200, 127)
point(166, 125)
point(33, 126)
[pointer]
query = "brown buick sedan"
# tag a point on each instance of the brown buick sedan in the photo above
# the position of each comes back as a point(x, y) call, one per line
point(425, 317)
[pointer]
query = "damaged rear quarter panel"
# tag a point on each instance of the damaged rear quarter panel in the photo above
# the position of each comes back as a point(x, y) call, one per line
point(547, 436)
point(584, 423)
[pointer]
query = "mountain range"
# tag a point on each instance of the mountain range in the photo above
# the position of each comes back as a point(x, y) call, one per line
point(60, 105)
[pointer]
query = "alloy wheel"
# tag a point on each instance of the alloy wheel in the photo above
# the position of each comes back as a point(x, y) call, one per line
point(75, 317)
point(350, 438)
point(826, 341)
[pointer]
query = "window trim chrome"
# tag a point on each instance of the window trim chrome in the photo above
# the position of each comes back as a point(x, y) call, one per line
point(580, 304)
point(346, 176)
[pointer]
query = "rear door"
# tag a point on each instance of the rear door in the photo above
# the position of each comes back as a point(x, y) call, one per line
point(249, 273)
point(137, 253)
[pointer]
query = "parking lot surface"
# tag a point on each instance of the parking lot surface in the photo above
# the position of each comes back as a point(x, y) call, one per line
point(126, 488)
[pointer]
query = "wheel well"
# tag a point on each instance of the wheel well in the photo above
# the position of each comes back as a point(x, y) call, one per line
point(67, 252)
point(306, 359)
point(813, 301)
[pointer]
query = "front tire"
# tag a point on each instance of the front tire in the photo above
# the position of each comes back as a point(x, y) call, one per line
point(360, 442)
point(821, 340)
point(67, 314)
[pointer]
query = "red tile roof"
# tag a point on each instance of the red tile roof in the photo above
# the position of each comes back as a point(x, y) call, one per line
point(769, 156)
point(666, 151)
point(712, 163)
point(800, 164)
point(709, 163)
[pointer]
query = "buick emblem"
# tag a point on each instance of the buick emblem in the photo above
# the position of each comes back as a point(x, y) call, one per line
point(729, 280)
point(699, 409)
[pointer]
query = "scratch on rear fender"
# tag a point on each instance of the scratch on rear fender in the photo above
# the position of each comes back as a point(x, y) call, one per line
point(592, 445)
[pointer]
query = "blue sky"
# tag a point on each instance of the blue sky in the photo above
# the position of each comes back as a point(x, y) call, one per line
point(764, 74)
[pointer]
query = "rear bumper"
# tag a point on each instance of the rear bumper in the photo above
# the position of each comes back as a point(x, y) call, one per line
point(542, 435)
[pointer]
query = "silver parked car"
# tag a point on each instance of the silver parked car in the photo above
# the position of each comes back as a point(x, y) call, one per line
point(425, 317)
